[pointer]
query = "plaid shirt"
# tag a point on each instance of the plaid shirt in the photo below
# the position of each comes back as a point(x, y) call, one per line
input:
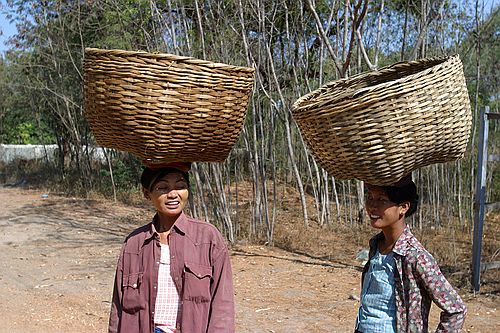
point(418, 282)
point(168, 304)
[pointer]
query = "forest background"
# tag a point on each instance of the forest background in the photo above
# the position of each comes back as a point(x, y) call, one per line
point(270, 189)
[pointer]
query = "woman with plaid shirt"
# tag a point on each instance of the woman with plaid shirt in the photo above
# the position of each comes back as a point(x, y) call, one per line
point(401, 279)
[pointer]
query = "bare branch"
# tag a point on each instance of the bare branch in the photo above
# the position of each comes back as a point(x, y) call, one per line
point(325, 38)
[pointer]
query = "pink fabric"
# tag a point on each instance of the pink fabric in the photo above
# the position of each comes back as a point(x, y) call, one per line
point(167, 300)
point(200, 267)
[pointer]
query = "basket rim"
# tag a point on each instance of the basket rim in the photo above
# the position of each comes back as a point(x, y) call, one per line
point(165, 56)
point(299, 107)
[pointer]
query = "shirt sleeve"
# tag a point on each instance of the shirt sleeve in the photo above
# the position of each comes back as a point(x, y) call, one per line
point(442, 293)
point(116, 304)
point(222, 311)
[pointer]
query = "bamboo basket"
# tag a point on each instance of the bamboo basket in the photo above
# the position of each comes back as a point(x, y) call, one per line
point(165, 108)
point(380, 126)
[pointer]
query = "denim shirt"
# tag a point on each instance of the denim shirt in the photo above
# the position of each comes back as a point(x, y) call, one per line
point(419, 282)
point(377, 312)
point(199, 266)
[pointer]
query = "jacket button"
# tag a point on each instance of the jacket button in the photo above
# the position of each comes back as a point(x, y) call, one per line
point(134, 285)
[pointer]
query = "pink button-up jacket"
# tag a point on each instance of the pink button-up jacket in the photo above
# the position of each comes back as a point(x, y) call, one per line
point(200, 268)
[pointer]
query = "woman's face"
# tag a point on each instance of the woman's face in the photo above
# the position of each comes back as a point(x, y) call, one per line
point(382, 211)
point(169, 195)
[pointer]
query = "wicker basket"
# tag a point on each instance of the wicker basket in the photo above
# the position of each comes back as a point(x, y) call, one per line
point(165, 108)
point(380, 126)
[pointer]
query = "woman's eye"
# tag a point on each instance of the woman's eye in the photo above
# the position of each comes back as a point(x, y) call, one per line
point(181, 182)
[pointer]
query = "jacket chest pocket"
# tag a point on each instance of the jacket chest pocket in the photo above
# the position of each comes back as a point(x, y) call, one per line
point(197, 281)
point(133, 293)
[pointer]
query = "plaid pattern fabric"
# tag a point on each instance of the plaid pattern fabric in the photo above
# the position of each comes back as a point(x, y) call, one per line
point(377, 312)
point(167, 300)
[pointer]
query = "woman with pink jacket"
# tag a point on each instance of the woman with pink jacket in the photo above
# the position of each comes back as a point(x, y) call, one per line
point(174, 273)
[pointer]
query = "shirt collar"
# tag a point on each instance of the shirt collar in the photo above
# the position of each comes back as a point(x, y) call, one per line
point(402, 245)
point(180, 225)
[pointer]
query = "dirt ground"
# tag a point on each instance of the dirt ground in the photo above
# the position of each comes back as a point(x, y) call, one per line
point(58, 257)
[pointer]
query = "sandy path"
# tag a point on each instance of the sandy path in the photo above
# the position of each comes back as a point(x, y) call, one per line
point(58, 258)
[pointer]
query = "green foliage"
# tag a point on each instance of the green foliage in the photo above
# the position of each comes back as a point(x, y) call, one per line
point(20, 123)
point(41, 77)
point(124, 175)
point(26, 133)
point(119, 24)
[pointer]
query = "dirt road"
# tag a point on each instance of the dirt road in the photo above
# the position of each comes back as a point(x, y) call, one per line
point(58, 257)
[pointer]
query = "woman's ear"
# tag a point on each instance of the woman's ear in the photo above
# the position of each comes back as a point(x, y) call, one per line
point(404, 207)
point(146, 193)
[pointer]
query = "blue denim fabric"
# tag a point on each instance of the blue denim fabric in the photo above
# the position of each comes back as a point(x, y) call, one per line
point(377, 312)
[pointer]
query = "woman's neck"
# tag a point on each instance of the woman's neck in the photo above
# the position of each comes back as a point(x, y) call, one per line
point(165, 223)
point(391, 236)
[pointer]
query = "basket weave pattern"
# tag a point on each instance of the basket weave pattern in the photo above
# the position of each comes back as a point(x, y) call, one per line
point(380, 126)
point(165, 108)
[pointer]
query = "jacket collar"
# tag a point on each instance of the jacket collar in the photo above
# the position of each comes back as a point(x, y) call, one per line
point(180, 225)
point(402, 246)
point(404, 243)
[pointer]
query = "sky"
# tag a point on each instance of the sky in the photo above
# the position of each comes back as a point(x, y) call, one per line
point(9, 29)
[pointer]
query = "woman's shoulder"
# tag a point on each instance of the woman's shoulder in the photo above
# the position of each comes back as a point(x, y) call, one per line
point(139, 234)
point(202, 225)
point(417, 253)
point(203, 229)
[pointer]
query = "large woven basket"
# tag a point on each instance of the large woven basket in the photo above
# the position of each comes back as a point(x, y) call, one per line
point(382, 125)
point(165, 108)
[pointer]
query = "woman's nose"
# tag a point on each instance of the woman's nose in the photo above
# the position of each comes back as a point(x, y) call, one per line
point(172, 193)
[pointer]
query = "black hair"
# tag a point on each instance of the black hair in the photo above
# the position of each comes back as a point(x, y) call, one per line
point(150, 177)
point(400, 194)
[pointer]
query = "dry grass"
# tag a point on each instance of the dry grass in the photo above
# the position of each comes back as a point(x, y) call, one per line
point(450, 244)
point(339, 241)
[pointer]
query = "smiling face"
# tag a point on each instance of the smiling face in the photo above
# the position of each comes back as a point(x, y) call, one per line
point(383, 213)
point(169, 195)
